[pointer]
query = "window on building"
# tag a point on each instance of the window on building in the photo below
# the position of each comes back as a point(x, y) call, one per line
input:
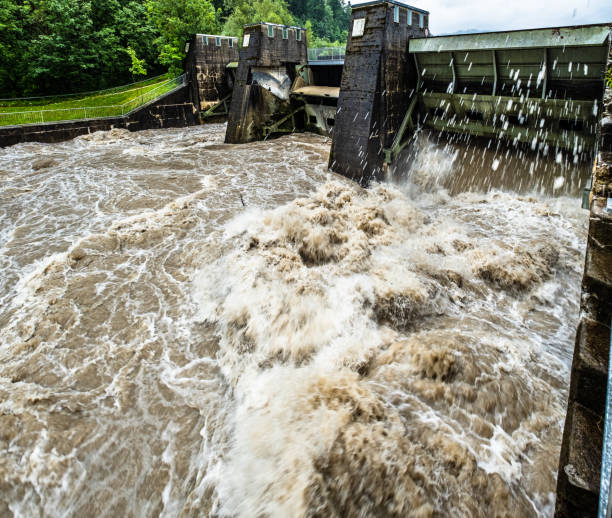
point(285, 33)
point(409, 17)
point(396, 14)
point(298, 35)
point(270, 31)
point(421, 20)
point(218, 41)
point(231, 42)
point(204, 40)
point(246, 40)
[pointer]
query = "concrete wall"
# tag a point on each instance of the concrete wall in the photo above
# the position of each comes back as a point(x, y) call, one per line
point(206, 68)
point(252, 105)
point(170, 111)
point(378, 81)
point(580, 462)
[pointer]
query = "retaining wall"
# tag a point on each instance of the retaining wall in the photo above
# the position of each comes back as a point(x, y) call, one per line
point(580, 463)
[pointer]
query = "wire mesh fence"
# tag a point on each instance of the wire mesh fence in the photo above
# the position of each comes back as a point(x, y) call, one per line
point(10, 118)
point(77, 95)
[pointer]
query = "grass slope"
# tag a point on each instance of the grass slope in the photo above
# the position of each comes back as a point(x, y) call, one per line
point(105, 103)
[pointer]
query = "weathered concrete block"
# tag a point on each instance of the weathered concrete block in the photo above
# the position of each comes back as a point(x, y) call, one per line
point(265, 47)
point(377, 84)
point(605, 143)
point(580, 466)
point(599, 250)
point(590, 366)
point(206, 68)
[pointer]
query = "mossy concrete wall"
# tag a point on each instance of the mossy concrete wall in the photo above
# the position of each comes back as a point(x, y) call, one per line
point(580, 463)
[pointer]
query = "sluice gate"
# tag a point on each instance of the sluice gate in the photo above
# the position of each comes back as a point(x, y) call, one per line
point(278, 89)
point(270, 58)
point(539, 87)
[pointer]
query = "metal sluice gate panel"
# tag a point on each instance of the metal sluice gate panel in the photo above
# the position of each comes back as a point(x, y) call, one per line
point(543, 87)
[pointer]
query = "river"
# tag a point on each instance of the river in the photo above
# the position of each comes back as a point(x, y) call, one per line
point(189, 328)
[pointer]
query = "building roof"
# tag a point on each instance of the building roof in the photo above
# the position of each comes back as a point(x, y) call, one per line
point(579, 36)
point(216, 36)
point(393, 2)
point(275, 25)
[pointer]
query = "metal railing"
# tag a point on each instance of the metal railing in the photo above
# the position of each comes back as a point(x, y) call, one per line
point(327, 54)
point(91, 112)
point(76, 95)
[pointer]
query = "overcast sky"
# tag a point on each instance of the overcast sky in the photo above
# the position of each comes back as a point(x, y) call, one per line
point(447, 16)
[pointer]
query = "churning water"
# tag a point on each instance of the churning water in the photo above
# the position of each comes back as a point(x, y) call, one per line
point(194, 329)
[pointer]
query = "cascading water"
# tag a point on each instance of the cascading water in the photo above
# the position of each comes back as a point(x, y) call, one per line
point(194, 329)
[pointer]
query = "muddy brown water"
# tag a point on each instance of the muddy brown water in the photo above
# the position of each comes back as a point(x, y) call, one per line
point(194, 329)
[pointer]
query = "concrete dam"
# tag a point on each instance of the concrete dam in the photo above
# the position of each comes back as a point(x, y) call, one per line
point(218, 326)
point(542, 89)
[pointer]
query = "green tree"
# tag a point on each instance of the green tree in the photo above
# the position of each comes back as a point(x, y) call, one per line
point(609, 77)
point(12, 44)
point(61, 46)
point(176, 21)
point(61, 57)
point(137, 67)
point(245, 12)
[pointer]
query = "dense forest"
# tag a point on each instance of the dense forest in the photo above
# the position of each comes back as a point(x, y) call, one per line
point(62, 46)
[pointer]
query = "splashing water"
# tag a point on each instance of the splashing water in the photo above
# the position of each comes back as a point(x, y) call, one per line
point(324, 351)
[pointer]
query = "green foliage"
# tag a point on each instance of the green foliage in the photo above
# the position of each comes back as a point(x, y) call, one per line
point(609, 77)
point(245, 12)
point(59, 46)
point(62, 46)
point(138, 65)
point(12, 42)
point(176, 21)
point(329, 19)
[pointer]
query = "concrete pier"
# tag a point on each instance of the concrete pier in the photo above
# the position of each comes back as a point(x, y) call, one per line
point(269, 55)
point(578, 480)
point(378, 83)
point(206, 65)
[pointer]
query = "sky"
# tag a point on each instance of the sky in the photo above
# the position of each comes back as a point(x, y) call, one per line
point(449, 16)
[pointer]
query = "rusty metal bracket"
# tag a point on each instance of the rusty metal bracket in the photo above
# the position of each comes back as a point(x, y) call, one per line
point(213, 111)
point(407, 123)
point(276, 127)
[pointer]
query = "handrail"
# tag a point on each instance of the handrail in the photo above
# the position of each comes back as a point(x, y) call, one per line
point(326, 54)
point(96, 112)
point(80, 94)
point(605, 488)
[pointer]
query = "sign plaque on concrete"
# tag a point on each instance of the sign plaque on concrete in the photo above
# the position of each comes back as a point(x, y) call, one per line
point(358, 27)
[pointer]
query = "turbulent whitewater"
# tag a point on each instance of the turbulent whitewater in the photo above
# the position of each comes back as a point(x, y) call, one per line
point(194, 329)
